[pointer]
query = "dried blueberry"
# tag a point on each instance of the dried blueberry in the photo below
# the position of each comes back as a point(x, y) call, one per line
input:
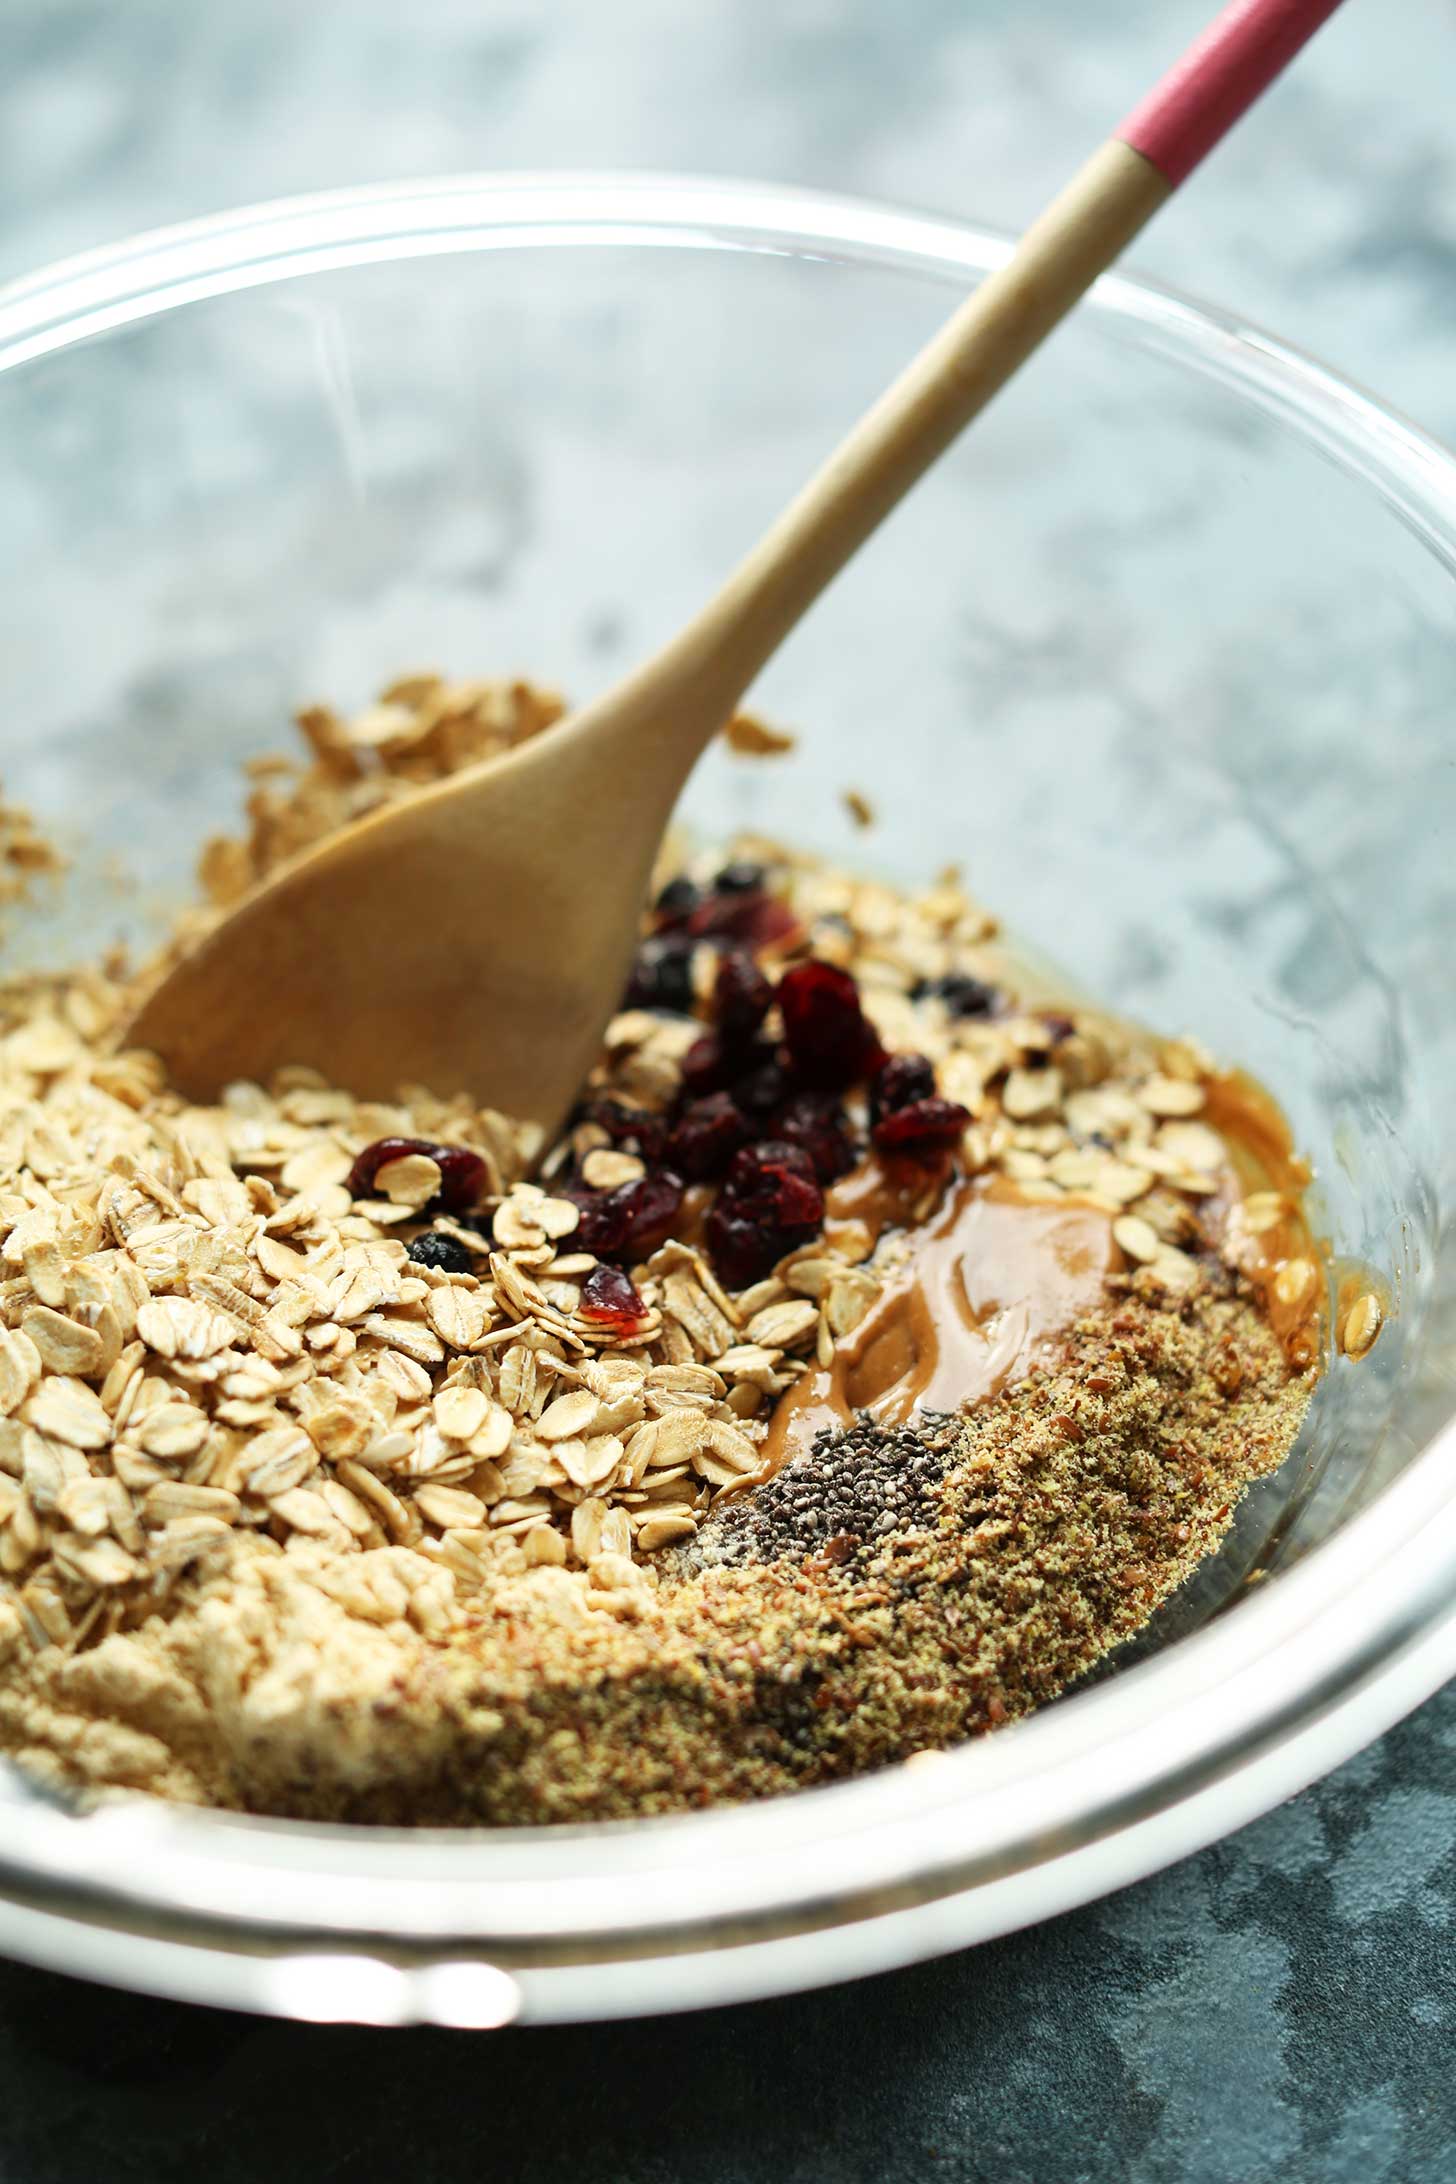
point(962, 994)
point(662, 975)
point(678, 900)
point(740, 878)
point(438, 1248)
point(905, 1077)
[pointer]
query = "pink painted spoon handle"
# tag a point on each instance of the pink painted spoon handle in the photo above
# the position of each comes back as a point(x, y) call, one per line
point(1218, 79)
point(1077, 237)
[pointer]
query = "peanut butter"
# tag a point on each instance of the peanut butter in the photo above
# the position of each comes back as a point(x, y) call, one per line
point(985, 1289)
point(989, 1283)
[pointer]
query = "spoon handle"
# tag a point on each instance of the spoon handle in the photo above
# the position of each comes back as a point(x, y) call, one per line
point(1078, 235)
point(1217, 81)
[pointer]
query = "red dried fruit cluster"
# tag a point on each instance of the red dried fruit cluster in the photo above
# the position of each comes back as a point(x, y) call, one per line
point(462, 1173)
point(764, 1121)
point(736, 914)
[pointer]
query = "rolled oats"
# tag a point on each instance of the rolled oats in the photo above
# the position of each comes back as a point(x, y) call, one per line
point(62, 1344)
point(1137, 1237)
point(1361, 1324)
point(1162, 1095)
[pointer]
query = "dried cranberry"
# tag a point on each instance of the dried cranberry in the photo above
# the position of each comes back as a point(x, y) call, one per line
point(438, 1248)
point(905, 1077)
point(740, 878)
point(817, 1123)
point(962, 994)
point(610, 1302)
point(631, 1221)
point(753, 1074)
point(763, 1087)
point(678, 900)
point(462, 1178)
point(742, 1250)
point(771, 923)
point(1060, 1027)
point(705, 1137)
point(755, 921)
point(653, 1204)
point(769, 1204)
point(602, 1228)
point(705, 1067)
point(776, 1183)
point(830, 1039)
point(742, 997)
point(462, 1173)
point(923, 1128)
point(771, 1165)
point(630, 1129)
point(662, 975)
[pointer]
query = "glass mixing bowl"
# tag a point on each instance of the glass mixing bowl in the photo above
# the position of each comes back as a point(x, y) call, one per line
point(1161, 654)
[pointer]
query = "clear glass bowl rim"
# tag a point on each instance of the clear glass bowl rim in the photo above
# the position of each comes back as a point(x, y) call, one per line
point(539, 1924)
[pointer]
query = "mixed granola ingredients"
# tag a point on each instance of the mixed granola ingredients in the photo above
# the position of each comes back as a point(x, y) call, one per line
point(875, 1348)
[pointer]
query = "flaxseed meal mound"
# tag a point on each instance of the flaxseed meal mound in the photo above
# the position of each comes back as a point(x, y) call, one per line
point(875, 1349)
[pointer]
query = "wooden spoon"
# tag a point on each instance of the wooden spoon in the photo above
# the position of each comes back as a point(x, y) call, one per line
point(477, 935)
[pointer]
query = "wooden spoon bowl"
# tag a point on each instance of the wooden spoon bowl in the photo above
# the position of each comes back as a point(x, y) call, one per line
point(476, 936)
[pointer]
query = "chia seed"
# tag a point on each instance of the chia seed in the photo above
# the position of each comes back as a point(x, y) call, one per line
point(852, 1487)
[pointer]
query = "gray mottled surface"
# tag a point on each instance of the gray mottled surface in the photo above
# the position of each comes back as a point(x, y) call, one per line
point(1281, 2005)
